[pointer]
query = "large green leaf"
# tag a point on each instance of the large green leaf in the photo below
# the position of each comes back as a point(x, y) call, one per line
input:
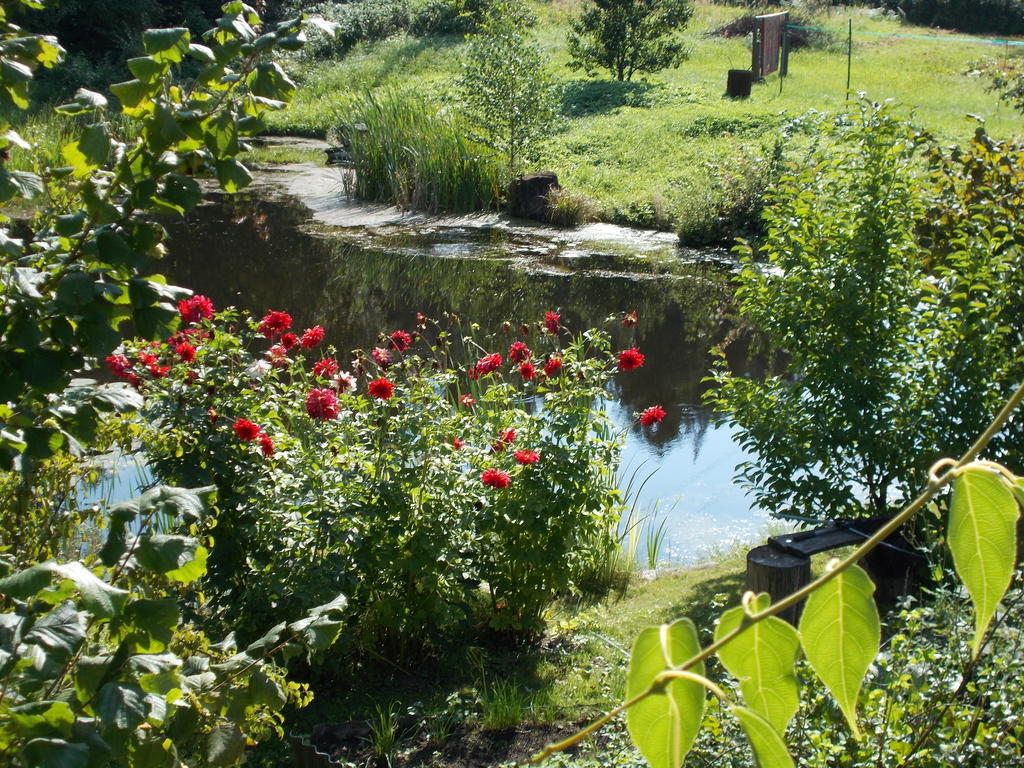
point(180, 558)
point(664, 725)
point(55, 753)
point(98, 597)
point(983, 539)
point(121, 706)
point(224, 745)
point(766, 742)
point(60, 632)
point(840, 633)
point(762, 658)
point(166, 45)
point(42, 719)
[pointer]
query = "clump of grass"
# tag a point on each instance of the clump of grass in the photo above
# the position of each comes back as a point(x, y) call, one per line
point(384, 736)
point(405, 153)
point(570, 209)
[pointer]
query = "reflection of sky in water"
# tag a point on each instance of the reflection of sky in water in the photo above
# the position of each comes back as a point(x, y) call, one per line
point(691, 487)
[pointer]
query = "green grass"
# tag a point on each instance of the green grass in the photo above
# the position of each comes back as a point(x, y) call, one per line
point(664, 152)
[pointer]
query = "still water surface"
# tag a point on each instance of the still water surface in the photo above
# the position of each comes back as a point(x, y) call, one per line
point(263, 251)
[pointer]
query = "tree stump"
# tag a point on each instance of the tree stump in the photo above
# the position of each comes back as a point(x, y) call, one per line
point(779, 574)
point(528, 195)
point(738, 83)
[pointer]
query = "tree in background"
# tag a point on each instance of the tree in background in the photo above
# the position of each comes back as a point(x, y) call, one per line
point(505, 89)
point(629, 36)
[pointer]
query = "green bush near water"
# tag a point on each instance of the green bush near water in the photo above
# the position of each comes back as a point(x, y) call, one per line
point(407, 152)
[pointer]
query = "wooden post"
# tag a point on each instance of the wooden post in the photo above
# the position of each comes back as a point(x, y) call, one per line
point(755, 54)
point(779, 574)
point(784, 63)
point(849, 58)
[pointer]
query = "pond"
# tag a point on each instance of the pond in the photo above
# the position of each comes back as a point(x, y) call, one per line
point(265, 249)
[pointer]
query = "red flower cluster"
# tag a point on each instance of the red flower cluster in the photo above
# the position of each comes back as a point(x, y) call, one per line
point(185, 351)
point(552, 366)
point(266, 445)
point(495, 478)
point(325, 368)
point(630, 319)
point(152, 364)
point(551, 320)
point(526, 370)
point(119, 365)
point(381, 388)
point(381, 357)
point(245, 430)
point(274, 324)
point(421, 321)
point(519, 352)
point(322, 404)
point(400, 341)
point(629, 359)
point(652, 415)
point(311, 337)
point(527, 457)
point(468, 400)
point(195, 309)
point(507, 438)
point(289, 340)
point(278, 355)
point(457, 443)
point(486, 364)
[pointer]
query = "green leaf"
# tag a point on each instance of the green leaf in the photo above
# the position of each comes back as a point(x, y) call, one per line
point(765, 740)
point(983, 539)
point(763, 658)
point(121, 706)
point(41, 719)
point(180, 558)
point(115, 249)
point(55, 753)
point(75, 289)
point(90, 151)
point(180, 192)
point(19, 184)
point(147, 69)
point(135, 96)
point(224, 744)
point(166, 45)
point(840, 633)
point(61, 631)
point(232, 175)
point(664, 725)
point(85, 101)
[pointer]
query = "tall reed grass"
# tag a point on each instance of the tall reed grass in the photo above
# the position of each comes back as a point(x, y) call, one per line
point(407, 153)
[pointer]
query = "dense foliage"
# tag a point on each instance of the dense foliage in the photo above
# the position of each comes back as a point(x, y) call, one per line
point(505, 91)
point(885, 254)
point(629, 36)
point(407, 477)
point(97, 665)
point(996, 17)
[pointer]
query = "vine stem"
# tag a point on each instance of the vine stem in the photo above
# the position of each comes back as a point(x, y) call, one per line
point(936, 482)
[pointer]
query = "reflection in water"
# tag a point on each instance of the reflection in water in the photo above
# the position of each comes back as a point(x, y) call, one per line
point(260, 253)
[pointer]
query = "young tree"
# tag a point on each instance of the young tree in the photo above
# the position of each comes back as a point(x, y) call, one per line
point(629, 36)
point(506, 92)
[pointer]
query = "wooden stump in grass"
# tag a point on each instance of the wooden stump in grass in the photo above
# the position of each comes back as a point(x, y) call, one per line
point(778, 573)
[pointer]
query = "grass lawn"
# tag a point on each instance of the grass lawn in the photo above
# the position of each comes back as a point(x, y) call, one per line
point(670, 151)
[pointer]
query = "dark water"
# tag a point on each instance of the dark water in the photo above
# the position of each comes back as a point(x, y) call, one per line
point(263, 252)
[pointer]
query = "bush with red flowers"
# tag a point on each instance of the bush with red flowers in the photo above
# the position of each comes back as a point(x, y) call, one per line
point(323, 469)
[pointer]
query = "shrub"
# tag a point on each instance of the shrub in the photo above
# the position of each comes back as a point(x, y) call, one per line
point(999, 17)
point(407, 152)
point(409, 482)
point(629, 36)
point(899, 304)
point(569, 209)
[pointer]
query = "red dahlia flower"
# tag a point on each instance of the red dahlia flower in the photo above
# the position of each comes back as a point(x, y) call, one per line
point(488, 363)
point(119, 365)
point(274, 324)
point(400, 341)
point(421, 321)
point(652, 415)
point(630, 319)
point(266, 445)
point(526, 370)
point(495, 478)
point(527, 457)
point(322, 404)
point(278, 356)
point(325, 368)
point(630, 359)
point(457, 443)
point(381, 357)
point(311, 337)
point(552, 366)
point(289, 340)
point(185, 351)
point(551, 320)
point(195, 309)
point(381, 388)
point(467, 400)
point(245, 430)
point(519, 352)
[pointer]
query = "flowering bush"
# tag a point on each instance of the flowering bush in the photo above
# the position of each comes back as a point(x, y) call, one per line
point(437, 472)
